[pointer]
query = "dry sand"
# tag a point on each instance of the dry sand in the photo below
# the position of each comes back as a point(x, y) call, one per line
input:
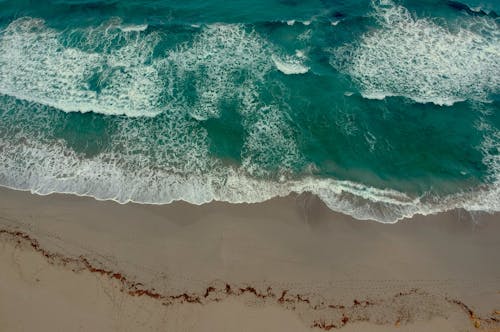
point(72, 263)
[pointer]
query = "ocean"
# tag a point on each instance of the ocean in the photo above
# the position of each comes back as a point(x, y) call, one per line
point(383, 109)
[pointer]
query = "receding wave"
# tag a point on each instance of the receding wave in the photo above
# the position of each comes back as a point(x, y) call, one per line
point(182, 168)
point(423, 60)
point(59, 170)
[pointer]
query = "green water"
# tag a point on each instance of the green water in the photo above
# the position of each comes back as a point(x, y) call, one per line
point(383, 109)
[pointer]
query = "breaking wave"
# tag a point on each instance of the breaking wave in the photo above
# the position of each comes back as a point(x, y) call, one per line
point(150, 105)
point(290, 66)
point(422, 59)
point(182, 168)
point(81, 70)
point(112, 68)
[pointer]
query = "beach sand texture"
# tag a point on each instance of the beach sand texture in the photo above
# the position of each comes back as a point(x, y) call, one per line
point(290, 264)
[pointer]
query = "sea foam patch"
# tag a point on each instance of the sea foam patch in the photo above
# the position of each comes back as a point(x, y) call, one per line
point(164, 159)
point(227, 62)
point(111, 69)
point(108, 78)
point(159, 160)
point(423, 60)
point(167, 157)
point(57, 169)
point(270, 144)
point(216, 63)
point(290, 65)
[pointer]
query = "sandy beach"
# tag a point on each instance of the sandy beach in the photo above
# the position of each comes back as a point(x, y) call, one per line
point(290, 264)
point(273, 165)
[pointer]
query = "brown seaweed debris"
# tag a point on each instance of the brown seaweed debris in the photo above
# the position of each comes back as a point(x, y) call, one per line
point(475, 319)
point(138, 289)
point(324, 326)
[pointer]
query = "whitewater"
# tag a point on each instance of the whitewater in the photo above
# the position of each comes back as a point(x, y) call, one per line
point(379, 108)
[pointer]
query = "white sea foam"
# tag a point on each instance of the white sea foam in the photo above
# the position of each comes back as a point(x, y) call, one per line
point(132, 27)
point(182, 169)
point(423, 60)
point(290, 66)
point(57, 169)
point(210, 63)
point(130, 168)
point(300, 54)
point(45, 169)
point(218, 53)
point(270, 143)
point(215, 56)
point(165, 158)
point(110, 68)
point(36, 65)
point(292, 22)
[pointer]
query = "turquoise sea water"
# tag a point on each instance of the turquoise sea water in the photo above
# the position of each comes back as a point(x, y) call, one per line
point(384, 109)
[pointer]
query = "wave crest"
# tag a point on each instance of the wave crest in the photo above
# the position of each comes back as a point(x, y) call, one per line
point(107, 69)
point(180, 167)
point(422, 60)
point(290, 66)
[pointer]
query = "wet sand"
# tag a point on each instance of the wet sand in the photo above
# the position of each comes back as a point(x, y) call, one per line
point(290, 264)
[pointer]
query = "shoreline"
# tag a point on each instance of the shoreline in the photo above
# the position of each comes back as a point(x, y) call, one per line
point(289, 257)
point(431, 211)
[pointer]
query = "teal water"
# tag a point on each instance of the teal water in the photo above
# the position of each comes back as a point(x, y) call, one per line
point(384, 109)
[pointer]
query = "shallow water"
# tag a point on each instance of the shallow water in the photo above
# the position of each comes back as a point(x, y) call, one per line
point(384, 109)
